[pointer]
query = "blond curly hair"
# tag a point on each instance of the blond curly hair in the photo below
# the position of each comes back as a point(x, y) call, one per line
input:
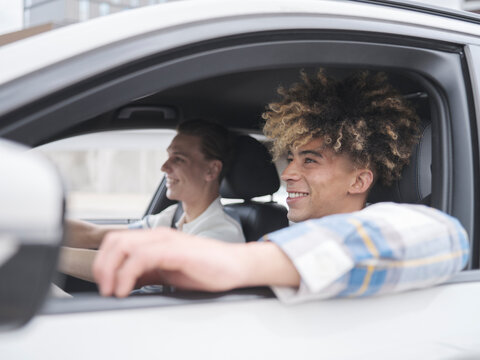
point(362, 116)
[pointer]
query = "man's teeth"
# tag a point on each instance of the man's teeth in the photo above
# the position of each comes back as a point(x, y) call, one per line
point(296, 194)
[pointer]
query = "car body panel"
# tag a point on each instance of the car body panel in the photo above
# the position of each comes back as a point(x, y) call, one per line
point(429, 323)
point(164, 16)
point(472, 54)
point(185, 23)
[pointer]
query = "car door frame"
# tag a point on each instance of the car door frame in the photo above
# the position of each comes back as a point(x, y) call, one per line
point(438, 64)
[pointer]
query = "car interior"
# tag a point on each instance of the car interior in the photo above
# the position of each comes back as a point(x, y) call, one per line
point(237, 101)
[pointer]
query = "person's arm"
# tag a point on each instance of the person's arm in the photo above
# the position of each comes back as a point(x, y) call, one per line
point(166, 256)
point(77, 262)
point(77, 257)
point(82, 234)
point(385, 248)
point(340, 255)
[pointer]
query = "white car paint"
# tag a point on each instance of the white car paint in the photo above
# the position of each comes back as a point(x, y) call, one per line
point(64, 43)
point(425, 324)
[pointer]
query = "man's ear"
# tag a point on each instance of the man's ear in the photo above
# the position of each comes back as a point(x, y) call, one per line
point(213, 170)
point(362, 181)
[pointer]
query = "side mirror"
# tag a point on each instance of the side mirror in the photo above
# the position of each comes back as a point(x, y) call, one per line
point(31, 231)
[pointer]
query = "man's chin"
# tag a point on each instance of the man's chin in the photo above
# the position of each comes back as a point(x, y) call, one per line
point(172, 196)
point(296, 217)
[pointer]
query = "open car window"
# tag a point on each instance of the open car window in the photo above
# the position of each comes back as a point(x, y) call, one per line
point(112, 174)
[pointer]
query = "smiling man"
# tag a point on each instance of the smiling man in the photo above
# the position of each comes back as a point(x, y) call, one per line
point(340, 136)
point(197, 160)
point(317, 180)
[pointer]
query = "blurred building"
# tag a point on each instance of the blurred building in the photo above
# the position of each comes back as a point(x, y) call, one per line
point(65, 12)
point(471, 5)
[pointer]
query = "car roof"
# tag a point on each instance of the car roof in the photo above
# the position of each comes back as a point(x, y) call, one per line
point(64, 43)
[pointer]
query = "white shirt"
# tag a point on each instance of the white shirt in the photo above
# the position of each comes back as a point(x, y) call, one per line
point(213, 223)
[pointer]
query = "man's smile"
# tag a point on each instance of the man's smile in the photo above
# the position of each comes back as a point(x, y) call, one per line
point(171, 181)
point(296, 195)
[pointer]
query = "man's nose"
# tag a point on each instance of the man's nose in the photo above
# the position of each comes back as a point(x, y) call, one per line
point(290, 172)
point(166, 166)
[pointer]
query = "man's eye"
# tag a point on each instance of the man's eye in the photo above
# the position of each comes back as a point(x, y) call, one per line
point(289, 160)
point(308, 161)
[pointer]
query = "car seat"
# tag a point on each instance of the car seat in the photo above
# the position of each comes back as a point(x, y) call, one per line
point(415, 184)
point(252, 174)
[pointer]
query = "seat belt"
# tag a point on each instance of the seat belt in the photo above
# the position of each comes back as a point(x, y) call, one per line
point(177, 215)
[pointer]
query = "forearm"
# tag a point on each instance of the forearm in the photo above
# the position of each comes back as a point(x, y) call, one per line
point(166, 256)
point(82, 234)
point(266, 264)
point(77, 262)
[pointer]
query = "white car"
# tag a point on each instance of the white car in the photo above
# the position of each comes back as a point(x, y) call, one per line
point(153, 67)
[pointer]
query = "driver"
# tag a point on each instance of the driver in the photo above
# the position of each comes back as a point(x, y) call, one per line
point(197, 160)
point(340, 137)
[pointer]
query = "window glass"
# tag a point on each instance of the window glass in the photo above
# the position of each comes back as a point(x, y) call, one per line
point(114, 174)
point(26, 16)
point(84, 10)
point(104, 9)
point(110, 175)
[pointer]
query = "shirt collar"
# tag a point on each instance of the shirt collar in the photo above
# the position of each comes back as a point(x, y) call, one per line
point(181, 222)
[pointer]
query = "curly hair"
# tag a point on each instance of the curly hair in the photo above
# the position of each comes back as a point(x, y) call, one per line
point(362, 116)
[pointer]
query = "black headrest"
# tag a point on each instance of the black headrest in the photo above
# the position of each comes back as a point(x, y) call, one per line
point(416, 181)
point(251, 173)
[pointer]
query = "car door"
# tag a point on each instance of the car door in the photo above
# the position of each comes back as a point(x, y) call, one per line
point(208, 54)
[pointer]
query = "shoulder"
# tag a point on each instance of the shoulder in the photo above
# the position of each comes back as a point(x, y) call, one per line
point(405, 214)
point(218, 225)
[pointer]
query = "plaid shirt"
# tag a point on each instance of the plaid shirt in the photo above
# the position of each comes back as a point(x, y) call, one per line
point(383, 248)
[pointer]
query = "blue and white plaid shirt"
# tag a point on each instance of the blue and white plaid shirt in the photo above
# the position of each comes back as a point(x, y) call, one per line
point(383, 248)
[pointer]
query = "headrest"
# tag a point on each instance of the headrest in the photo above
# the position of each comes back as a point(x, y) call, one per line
point(416, 181)
point(251, 173)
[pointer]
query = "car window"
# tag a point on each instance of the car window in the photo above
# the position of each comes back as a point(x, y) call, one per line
point(113, 174)
point(110, 175)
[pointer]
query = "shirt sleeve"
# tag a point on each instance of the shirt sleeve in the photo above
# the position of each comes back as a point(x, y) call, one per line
point(163, 218)
point(384, 248)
